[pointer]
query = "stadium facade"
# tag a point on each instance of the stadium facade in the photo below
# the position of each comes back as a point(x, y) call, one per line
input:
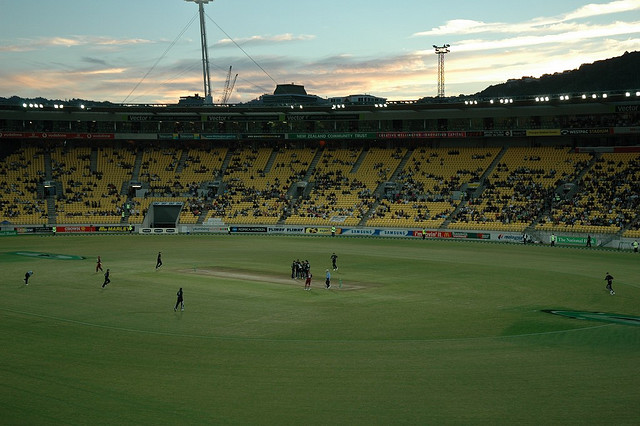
point(575, 119)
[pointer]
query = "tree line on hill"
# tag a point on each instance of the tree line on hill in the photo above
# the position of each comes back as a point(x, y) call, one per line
point(614, 74)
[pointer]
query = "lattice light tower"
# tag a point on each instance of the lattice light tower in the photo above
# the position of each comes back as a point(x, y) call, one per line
point(208, 98)
point(441, 51)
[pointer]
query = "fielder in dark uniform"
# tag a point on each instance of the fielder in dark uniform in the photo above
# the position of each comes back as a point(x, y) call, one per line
point(26, 277)
point(334, 258)
point(107, 280)
point(159, 261)
point(180, 301)
point(609, 279)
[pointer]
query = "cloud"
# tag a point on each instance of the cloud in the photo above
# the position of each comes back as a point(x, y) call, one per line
point(595, 9)
point(577, 35)
point(21, 46)
point(96, 61)
point(263, 40)
point(101, 71)
point(25, 45)
point(459, 27)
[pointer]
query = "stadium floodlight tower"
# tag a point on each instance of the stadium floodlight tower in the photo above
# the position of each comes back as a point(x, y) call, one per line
point(441, 51)
point(208, 98)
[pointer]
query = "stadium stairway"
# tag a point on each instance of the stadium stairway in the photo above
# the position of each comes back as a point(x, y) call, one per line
point(93, 160)
point(182, 161)
point(292, 192)
point(202, 217)
point(575, 182)
point(219, 179)
point(594, 159)
point(478, 192)
point(270, 161)
point(379, 192)
point(51, 199)
point(359, 161)
point(454, 213)
point(48, 171)
point(135, 173)
point(401, 165)
point(223, 168)
point(314, 163)
point(531, 229)
point(51, 210)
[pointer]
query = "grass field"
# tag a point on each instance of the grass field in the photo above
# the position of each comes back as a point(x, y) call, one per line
point(421, 332)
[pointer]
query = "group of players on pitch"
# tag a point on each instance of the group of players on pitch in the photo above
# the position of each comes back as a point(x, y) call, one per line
point(107, 280)
point(299, 270)
point(302, 269)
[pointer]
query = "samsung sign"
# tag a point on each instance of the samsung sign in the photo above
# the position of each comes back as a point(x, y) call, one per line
point(394, 233)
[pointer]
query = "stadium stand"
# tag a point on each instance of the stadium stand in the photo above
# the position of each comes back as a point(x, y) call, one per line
point(21, 173)
point(564, 166)
point(490, 188)
point(606, 200)
point(252, 195)
point(519, 188)
point(336, 194)
point(428, 185)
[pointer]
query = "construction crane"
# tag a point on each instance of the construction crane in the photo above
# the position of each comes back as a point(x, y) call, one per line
point(228, 86)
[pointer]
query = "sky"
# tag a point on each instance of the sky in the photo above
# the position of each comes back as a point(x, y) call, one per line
point(149, 51)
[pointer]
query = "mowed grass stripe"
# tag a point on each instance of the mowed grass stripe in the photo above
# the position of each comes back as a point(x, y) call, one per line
point(26, 315)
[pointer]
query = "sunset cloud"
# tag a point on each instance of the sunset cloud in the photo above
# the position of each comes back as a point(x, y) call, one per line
point(263, 40)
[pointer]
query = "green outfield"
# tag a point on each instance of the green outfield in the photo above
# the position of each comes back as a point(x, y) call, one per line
point(411, 332)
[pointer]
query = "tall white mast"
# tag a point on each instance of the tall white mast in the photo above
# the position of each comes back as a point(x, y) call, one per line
point(208, 98)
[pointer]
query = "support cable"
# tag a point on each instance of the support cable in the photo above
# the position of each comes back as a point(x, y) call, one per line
point(161, 57)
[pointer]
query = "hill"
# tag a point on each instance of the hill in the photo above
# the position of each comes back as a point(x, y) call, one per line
point(614, 74)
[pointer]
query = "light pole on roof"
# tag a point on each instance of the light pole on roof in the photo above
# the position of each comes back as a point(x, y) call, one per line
point(441, 51)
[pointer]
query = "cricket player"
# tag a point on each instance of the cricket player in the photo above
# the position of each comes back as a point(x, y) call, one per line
point(180, 301)
point(107, 280)
point(609, 279)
